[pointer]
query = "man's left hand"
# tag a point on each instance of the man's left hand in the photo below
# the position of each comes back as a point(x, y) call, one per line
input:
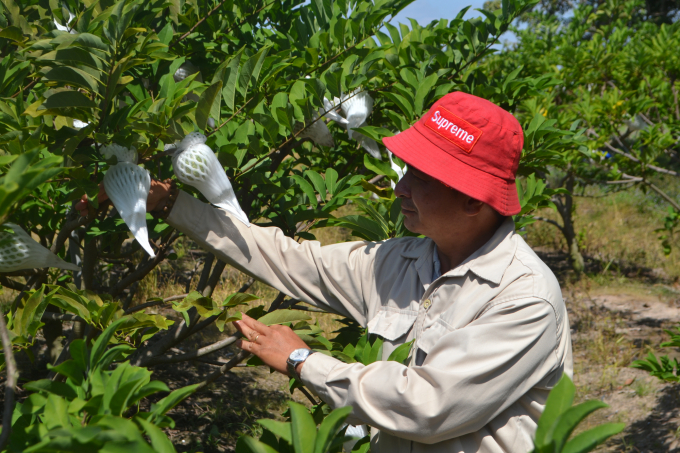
point(272, 344)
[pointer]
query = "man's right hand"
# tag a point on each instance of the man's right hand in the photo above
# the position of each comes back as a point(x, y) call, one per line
point(157, 198)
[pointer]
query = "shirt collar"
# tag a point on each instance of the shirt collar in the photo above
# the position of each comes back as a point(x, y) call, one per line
point(489, 262)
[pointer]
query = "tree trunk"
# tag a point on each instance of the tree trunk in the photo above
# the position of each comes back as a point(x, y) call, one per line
point(565, 206)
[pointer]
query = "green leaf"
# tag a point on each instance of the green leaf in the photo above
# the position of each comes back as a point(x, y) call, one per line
point(307, 189)
point(587, 441)
point(318, 182)
point(205, 104)
point(159, 440)
point(424, 89)
point(247, 444)
point(172, 400)
point(329, 428)
point(230, 77)
point(284, 316)
point(303, 428)
point(64, 99)
point(559, 401)
point(53, 387)
point(567, 422)
point(380, 167)
point(280, 429)
point(102, 342)
point(331, 180)
point(401, 353)
point(251, 71)
point(238, 299)
point(376, 133)
point(72, 76)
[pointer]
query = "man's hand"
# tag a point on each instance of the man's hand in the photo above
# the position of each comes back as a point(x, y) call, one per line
point(272, 344)
point(158, 196)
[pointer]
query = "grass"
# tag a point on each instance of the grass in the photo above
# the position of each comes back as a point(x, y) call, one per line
point(617, 229)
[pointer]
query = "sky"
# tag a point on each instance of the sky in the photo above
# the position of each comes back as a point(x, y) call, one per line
point(425, 11)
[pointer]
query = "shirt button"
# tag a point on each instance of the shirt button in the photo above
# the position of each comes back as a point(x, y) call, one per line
point(427, 304)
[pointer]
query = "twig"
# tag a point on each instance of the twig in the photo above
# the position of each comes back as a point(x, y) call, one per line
point(144, 267)
point(191, 30)
point(154, 303)
point(309, 309)
point(196, 353)
point(551, 222)
point(308, 395)
point(27, 87)
point(224, 368)
point(664, 195)
point(10, 384)
point(230, 118)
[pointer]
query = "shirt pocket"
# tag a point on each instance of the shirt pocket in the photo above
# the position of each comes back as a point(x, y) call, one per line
point(392, 323)
point(433, 334)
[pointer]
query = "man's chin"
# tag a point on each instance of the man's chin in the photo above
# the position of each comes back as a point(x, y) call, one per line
point(411, 223)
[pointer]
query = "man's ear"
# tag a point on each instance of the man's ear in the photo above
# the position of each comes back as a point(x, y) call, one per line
point(472, 206)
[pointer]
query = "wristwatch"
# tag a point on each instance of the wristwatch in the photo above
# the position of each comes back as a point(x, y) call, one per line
point(297, 357)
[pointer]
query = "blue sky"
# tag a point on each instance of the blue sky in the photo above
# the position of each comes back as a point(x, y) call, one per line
point(425, 11)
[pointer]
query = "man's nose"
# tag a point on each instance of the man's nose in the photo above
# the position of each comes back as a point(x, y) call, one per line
point(402, 189)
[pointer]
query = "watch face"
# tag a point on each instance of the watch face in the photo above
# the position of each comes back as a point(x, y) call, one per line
point(299, 354)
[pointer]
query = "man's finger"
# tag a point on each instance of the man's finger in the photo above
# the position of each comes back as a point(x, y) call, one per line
point(248, 346)
point(255, 324)
point(247, 331)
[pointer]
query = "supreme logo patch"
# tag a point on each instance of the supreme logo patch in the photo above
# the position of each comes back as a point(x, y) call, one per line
point(453, 128)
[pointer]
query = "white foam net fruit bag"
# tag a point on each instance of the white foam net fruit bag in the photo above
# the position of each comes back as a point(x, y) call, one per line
point(127, 185)
point(195, 164)
point(329, 111)
point(357, 107)
point(19, 251)
point(317, 131)
point(122, 153)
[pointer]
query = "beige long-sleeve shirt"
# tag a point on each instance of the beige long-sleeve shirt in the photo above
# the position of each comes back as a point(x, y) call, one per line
point(493, 333)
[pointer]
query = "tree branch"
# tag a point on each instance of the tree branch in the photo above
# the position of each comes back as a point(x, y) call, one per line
point(10, 384)
point(144, 267)
point(154, 303)
point(551, 222)
point(241, 356)
point(11, 284)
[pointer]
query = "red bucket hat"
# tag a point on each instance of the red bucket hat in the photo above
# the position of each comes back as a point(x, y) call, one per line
point(469, 144)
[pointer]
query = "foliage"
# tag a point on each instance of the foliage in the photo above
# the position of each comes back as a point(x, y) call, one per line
point(560, 418)
point(95, 408)
point(300, 434)
point(614, 86)
point(665, 369)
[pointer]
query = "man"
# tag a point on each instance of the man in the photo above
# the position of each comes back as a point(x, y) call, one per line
point(490, 327)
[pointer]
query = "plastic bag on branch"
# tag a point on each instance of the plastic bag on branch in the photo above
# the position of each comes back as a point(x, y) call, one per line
point(127, 185)
point(357, 107)
point(19, 251)
point(195, 164)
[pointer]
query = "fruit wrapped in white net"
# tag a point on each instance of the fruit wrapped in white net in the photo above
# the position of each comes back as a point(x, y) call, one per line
point(19, 251)
point(127, 185)
point(317, 131)
point(330, 112)
point(357, 107)
point(397, 169)
point(195, 164)
point(122, 153)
